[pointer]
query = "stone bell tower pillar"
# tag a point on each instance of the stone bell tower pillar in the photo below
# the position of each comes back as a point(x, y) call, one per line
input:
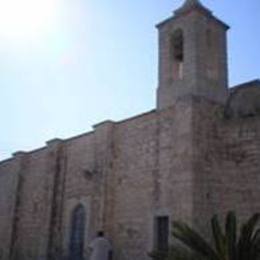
point(192, 55)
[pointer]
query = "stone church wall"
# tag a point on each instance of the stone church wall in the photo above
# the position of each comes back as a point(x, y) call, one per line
point(152, 177)
point(125, 175)
point(33, 206)
point(79, 186)
point(226, 163)
point(8, 185)
point(184, 162)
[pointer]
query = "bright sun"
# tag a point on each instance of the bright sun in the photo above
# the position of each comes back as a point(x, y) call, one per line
point(26, 18)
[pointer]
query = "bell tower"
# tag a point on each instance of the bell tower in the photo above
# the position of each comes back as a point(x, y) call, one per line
point(192, 55)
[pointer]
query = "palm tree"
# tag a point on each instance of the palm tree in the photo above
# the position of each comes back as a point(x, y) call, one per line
point(227, 245)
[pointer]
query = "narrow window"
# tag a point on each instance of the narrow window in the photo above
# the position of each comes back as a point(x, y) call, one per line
point(212, 58)
point(209, 38)
point(76, 246)
point(177, 54)
point(162, 233)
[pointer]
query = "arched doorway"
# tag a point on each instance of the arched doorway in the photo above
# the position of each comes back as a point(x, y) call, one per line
point(77, 233)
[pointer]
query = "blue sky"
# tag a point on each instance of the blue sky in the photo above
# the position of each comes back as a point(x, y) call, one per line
point(94, 60)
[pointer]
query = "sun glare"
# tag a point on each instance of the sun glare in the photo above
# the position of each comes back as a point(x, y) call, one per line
point(26, 18)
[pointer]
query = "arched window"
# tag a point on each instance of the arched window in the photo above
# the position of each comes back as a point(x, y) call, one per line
point(177, 54)
point(76, 246)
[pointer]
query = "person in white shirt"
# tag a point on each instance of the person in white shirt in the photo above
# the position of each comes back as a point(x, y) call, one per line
point(100, 248)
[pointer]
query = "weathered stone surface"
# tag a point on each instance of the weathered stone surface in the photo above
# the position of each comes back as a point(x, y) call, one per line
point(243, 100)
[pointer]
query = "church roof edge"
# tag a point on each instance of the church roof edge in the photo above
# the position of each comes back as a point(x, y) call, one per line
point(251, 83)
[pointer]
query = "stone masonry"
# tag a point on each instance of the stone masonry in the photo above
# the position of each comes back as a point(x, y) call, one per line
point(196, 154)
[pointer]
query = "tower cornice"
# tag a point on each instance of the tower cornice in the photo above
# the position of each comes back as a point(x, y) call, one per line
point(190, 5)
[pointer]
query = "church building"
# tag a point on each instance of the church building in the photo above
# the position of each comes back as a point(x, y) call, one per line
point(196, 154)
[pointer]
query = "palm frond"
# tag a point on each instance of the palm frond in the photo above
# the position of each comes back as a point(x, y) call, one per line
point(193, 240)
point(231, 235)
point(246, 236)
point(219, 238)
point(178, 252)
point(227, 244)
